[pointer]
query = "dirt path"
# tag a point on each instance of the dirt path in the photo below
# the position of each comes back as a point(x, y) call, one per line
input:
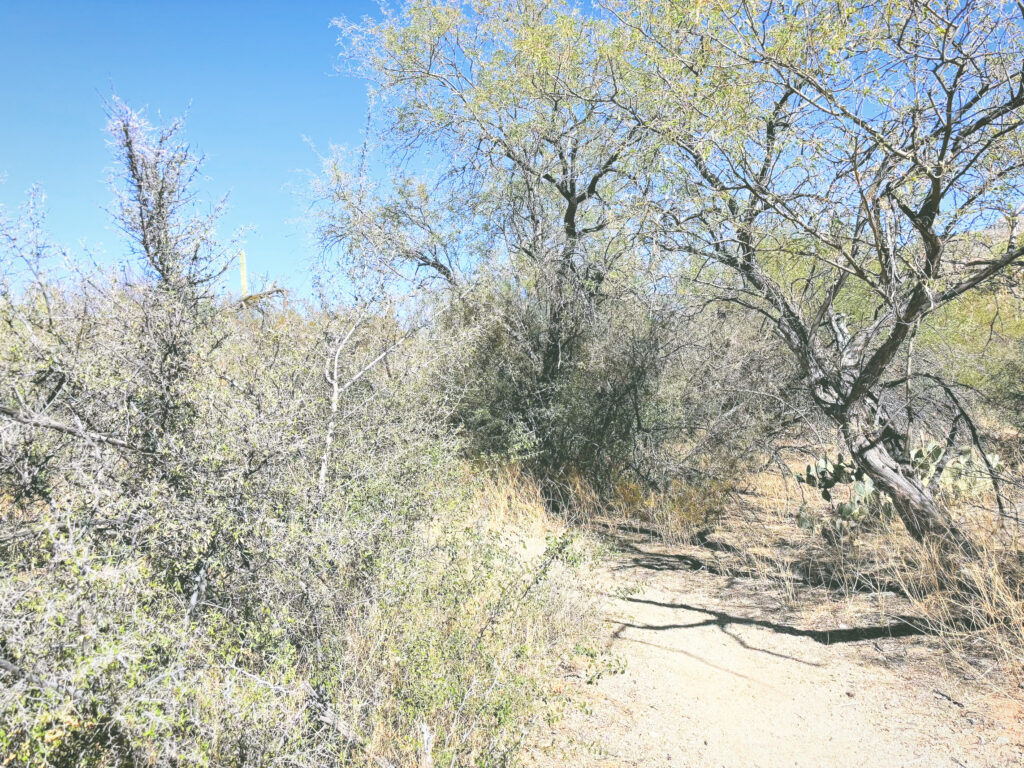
point(703, 672)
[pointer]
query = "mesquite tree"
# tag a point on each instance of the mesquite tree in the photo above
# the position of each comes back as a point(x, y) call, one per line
point(845, 170)
point(531, 187)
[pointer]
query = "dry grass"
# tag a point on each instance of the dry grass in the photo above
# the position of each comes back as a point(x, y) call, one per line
point(681, 513)
point(972, 609)
point(974, 606)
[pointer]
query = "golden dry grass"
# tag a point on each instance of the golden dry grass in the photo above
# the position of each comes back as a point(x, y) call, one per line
point(973, 608)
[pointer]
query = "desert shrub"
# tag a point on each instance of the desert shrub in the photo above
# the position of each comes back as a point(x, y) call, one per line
point(586, 419)
point(632, 409)
point(232, 535)
point(326, 633)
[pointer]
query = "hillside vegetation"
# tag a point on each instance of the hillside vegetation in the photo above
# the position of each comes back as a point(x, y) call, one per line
point(746, 275)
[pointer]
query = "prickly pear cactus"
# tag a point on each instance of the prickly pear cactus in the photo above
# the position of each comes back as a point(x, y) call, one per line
point(963, 476)
point(968, 475)
point(849, 515)
point(825, 475)
point(926, 458)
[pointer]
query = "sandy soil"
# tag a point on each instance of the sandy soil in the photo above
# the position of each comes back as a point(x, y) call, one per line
point(706, 670)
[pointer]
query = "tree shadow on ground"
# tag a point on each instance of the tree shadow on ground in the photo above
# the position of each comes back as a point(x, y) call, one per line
point(801, 571)
point(904, 626)
point(656, 560)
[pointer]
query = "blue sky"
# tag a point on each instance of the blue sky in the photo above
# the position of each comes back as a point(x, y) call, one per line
point(258, 79)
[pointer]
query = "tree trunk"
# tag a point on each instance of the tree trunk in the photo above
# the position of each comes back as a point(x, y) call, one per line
point(875, 452)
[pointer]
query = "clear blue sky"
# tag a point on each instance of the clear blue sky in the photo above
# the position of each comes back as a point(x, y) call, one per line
point(258, 79)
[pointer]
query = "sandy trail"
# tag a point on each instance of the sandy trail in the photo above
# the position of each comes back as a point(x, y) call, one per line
point(710, 676)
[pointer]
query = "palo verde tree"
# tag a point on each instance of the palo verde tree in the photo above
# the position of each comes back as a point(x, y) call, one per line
point(843, 170)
